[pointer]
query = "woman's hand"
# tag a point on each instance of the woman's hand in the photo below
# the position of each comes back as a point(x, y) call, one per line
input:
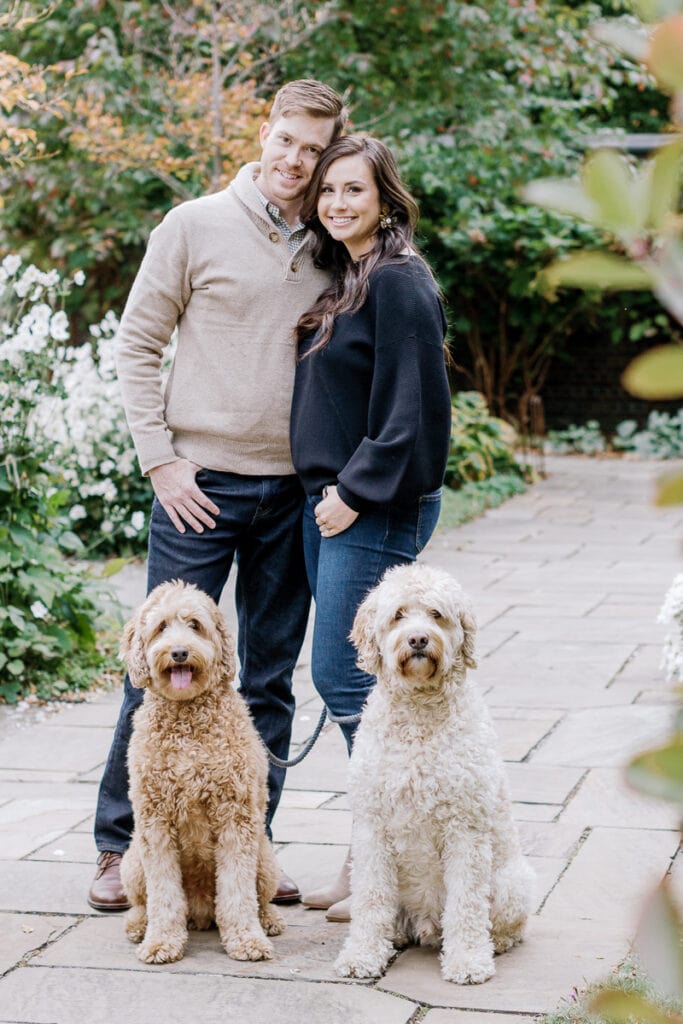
point(332, 515)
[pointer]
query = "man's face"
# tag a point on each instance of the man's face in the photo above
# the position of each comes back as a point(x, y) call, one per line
point(291, 147)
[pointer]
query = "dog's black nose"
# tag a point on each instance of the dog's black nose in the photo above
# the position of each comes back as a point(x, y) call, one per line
point(418, 643)
point(180, 654)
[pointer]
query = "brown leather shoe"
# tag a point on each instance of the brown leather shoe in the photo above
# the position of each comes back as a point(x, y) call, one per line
point(106, 891)
point(287, 890)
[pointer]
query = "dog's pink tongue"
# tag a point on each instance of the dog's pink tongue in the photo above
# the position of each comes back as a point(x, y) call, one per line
point(181, 677)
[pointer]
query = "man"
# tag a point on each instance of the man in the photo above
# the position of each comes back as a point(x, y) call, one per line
point(233, 272)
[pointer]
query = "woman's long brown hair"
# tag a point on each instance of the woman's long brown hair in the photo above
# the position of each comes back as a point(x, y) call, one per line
point(349, 287)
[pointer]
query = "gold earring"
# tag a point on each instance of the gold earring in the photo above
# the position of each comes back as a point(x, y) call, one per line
point(385, 221)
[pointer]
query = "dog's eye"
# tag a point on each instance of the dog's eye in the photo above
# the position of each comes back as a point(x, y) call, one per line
point(161, 627)
point(435, 613)
point(194, 624)
point(399, 614)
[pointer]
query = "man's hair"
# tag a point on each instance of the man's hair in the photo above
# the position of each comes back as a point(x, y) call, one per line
point(308, 96)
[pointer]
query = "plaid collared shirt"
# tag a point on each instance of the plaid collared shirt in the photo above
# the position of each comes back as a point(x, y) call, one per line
point(292, 236)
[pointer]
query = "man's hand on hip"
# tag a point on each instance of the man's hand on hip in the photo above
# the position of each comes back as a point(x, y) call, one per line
point(175, 487)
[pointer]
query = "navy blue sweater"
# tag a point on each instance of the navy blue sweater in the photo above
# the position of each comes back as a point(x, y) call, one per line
point(371, 410)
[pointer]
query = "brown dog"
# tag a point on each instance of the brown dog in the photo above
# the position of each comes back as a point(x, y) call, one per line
point(198, 772)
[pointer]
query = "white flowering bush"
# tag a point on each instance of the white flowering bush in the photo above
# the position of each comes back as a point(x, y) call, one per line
point(110, 499)
point(671, 615)
point(48, 607)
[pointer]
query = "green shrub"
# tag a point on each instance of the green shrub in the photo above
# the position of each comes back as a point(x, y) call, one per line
point(481, 445)
point(48, 606)
point(585, 440)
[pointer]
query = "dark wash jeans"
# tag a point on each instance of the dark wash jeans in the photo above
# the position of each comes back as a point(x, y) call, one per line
point(260, 526)
point(341, 571)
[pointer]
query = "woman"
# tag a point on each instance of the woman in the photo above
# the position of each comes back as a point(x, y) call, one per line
point(370, 424)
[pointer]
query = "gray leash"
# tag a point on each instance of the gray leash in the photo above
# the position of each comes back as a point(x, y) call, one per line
point(343, 720)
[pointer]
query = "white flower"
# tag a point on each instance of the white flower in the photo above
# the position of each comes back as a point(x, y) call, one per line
point(106, 526)
point(39, 611)
point(79, 278)
point(59, 326)
point(671, 615)
point(137, 520)
point(11, 264)
point(77, 512)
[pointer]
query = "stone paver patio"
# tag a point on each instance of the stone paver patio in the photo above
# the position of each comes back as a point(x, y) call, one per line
point(567, 581)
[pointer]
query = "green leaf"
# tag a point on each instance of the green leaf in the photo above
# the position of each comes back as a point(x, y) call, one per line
point(659, 772)
point(664, 54)
point(113, 566)
point(665, 183)
point(609, 183)
point(670, 490)
point(628, 1007)
point(658, 942)
point(596, 270)
point(562, 196)
point(15, 667)
point(656, 374)
point(655, 10)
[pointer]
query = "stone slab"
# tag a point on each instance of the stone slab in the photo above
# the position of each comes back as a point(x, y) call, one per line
point(541, 784)
point(49, 995)
point(531, 978)
point(604, 799)
point(306, 951)
point(517, 738)
point(22, 934)
point(44, 888)
point(608, 879)
point(71, 749)
point(553, 671)
point(76, 846)
point(27, 825)
point(296, 825)
point(604, 737)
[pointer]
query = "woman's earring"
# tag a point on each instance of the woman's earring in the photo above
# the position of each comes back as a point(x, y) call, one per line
point(385, 221)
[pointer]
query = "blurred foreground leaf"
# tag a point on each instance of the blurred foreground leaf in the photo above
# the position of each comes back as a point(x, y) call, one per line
point(656, 374)
point(659, 772)
point(669, 490)
point(629, 1007)
point(658, 942)
point(598, 270)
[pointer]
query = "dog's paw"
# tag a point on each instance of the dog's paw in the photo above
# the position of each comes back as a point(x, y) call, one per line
point(162, 951)
point(248, 946)
point(366, 962)
point(272, 921)
point(135, 925)
point(503, 942)
point(468, 971)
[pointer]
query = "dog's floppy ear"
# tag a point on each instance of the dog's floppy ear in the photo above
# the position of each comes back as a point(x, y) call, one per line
point(132, 652)
point(469, 627)
point(227, 648)
point(362, 636)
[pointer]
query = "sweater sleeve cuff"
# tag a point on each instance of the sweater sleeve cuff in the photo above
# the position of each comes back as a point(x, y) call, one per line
point(349, 499)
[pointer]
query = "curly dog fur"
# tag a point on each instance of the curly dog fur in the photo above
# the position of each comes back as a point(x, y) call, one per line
point(198, 772)
point(436, 855)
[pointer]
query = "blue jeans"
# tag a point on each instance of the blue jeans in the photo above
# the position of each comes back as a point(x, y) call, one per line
point(341, 571)
point(260, 526)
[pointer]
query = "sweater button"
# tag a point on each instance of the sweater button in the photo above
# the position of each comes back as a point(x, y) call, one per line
point(295, 267)
point(274, 237)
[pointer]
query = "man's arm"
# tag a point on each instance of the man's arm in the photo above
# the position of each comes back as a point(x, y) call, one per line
point(160, 292)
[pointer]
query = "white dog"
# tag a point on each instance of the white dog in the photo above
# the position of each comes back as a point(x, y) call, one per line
point(436, 855)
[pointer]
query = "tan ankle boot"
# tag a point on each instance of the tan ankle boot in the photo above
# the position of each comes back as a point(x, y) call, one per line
point(340, 911)
point(340, 889)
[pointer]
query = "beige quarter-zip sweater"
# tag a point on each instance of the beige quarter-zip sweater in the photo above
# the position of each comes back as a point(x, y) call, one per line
point(218, 268)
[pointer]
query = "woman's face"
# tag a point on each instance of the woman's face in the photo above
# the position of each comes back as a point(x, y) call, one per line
point(349, 203)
